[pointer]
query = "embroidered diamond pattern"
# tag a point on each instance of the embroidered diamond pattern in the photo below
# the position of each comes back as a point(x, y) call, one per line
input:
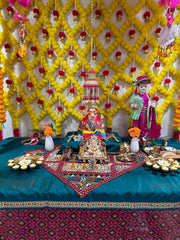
point(155, 216)
point(175, 215)
point(123, 223)
point(1, 223)
point(163, 224)
point(134, 214)
point(93, 215)
point(31, 231)
point(62, 224)
point(151, 233)
point(21, 223)
point(52, 233)
point(115, 216)
point(11, 232)
point(52, 216)
point(88, 224)
point(91, 231)
point(101, 238)
point(177, 238)
point(143, 224)
point(31, 215)
point(112, 232)
point(139, 238)
point(73, 216)
point(131, 229)
point(103, 224)
point(72, 233)
point(82, 224)
point(42, 224)
point(10, 214)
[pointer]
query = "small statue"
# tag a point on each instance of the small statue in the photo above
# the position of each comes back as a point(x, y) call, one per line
point(124, 155)
point(143, 114)
point(91, 124)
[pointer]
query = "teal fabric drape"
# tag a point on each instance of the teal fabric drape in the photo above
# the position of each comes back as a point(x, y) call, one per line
point(139, 185)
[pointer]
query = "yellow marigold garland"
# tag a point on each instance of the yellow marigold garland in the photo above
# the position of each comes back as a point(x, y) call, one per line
point(120, 102)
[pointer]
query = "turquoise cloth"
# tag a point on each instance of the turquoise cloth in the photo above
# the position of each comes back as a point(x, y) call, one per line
point(139, 185)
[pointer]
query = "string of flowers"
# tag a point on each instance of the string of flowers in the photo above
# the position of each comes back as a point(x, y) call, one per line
point(120, 102)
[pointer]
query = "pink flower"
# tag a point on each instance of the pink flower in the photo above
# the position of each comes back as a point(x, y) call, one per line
point(116, 87)
point(105, 72)
point(156, 98)
point(158, 30)
point(146, 14)
point(167, 80)
point(145, 47)
point(71, 53)
point(83, 74)
point(72, 90)
point(50, 91)
point(9, 81)
point(83, 34)
point(118, 53)
point(59, 108)
point(119, 13)
point(41, 70)
point(40, 101)
point(61, 73)
point(50, 52)
point(55, 13)
point(10, 10)
point(36, 10)
point(82, 107)
point(19, 99)
point(157, 64)
point(108, 105)
point(132, 32)
point(34, 48)
point(98, 12)
point(62, 35)
point(75, 12)
point(29, 84)
point(45, 31)
point(133, 69)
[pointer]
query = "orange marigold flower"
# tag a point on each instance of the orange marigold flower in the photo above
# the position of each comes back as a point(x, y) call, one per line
point(48, 131)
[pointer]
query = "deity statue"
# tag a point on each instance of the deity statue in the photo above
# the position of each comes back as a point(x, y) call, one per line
point(143, 113)
point(91, 124)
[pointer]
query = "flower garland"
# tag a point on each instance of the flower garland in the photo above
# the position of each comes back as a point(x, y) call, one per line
point(47, 72)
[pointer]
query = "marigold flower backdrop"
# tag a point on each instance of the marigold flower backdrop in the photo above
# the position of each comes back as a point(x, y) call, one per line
point(66, 39)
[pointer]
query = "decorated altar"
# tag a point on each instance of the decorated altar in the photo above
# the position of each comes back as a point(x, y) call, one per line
point(148, 198)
